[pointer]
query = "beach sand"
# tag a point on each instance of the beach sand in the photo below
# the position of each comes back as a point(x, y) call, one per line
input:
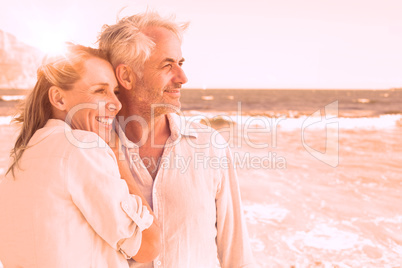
point(309, 214)
point(302, 212)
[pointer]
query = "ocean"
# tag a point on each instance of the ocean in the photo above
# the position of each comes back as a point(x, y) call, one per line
point(320, 171)
point(352, 103)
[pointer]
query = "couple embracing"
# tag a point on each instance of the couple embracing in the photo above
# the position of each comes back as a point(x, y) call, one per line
point(87, 185)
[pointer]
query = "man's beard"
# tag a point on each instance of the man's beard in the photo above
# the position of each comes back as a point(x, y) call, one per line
point(161, 106)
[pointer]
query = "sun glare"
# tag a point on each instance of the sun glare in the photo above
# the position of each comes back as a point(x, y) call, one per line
point(52, 39)
point(53, 45)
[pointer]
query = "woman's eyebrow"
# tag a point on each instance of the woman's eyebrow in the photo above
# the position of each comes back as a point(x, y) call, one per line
point(100, 84)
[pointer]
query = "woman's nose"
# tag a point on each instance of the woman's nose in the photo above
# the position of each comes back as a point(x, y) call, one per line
point(114, 104)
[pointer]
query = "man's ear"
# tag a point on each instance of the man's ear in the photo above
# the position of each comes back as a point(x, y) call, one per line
point(56, 97)
point(125, 76)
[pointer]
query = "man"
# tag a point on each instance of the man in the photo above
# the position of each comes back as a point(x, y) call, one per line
point(184, 169)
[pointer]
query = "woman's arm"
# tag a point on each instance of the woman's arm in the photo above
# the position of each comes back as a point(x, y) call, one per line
point(151, 240)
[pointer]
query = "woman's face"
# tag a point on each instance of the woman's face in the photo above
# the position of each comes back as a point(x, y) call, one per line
point(92, 103)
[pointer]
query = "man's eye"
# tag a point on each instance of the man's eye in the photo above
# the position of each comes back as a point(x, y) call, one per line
point(116, 92)
point(100, 90)
point(169, 66)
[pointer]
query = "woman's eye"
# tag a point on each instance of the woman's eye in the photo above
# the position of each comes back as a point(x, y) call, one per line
point(117, 92)
point(101, 90)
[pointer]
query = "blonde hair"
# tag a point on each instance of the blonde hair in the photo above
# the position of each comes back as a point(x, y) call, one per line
point(125, 42)
point(61, 71)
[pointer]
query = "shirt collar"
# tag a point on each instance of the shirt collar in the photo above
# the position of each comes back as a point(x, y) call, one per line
point(57, 123)
point(178, 128)
point(122, 136)
point(51, 126)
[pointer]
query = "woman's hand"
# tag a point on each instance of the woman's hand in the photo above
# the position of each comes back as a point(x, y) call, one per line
point(124, 168)
point(114, 144)
point(151, 243)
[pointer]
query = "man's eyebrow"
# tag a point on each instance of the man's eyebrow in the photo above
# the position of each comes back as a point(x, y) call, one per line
point(173, 60)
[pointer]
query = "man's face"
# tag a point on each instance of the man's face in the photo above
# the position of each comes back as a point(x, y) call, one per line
point(162, 74)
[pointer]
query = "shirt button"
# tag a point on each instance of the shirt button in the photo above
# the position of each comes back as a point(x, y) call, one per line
point(158, 263)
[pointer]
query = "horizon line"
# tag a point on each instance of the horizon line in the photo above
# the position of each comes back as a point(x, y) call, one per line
point(251, 88)
point(257, 88)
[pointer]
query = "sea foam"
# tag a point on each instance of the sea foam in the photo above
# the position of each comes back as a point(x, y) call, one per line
point(302, 122)
point(5, 120)
point(12, 97)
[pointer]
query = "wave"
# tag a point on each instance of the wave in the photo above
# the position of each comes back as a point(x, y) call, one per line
point(283, 123)
point(219, 120)
point(363, 100)
point(207, 98)
point(12, 97)
point(344, 113)
point(5, 120)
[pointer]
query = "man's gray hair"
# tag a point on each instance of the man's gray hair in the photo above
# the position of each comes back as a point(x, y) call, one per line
point(125, 42)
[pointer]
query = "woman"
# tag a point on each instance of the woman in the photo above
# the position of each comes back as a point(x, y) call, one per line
point(63, 203)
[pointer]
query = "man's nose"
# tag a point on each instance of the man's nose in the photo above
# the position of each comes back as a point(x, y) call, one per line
point(180, 77)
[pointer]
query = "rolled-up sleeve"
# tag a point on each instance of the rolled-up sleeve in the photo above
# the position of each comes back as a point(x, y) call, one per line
point(141, 216)
point(95, 186)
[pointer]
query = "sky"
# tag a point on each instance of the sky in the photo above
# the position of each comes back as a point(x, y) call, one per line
point(313, 44)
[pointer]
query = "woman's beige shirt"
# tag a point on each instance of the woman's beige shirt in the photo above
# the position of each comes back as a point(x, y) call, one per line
point(67, 206)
